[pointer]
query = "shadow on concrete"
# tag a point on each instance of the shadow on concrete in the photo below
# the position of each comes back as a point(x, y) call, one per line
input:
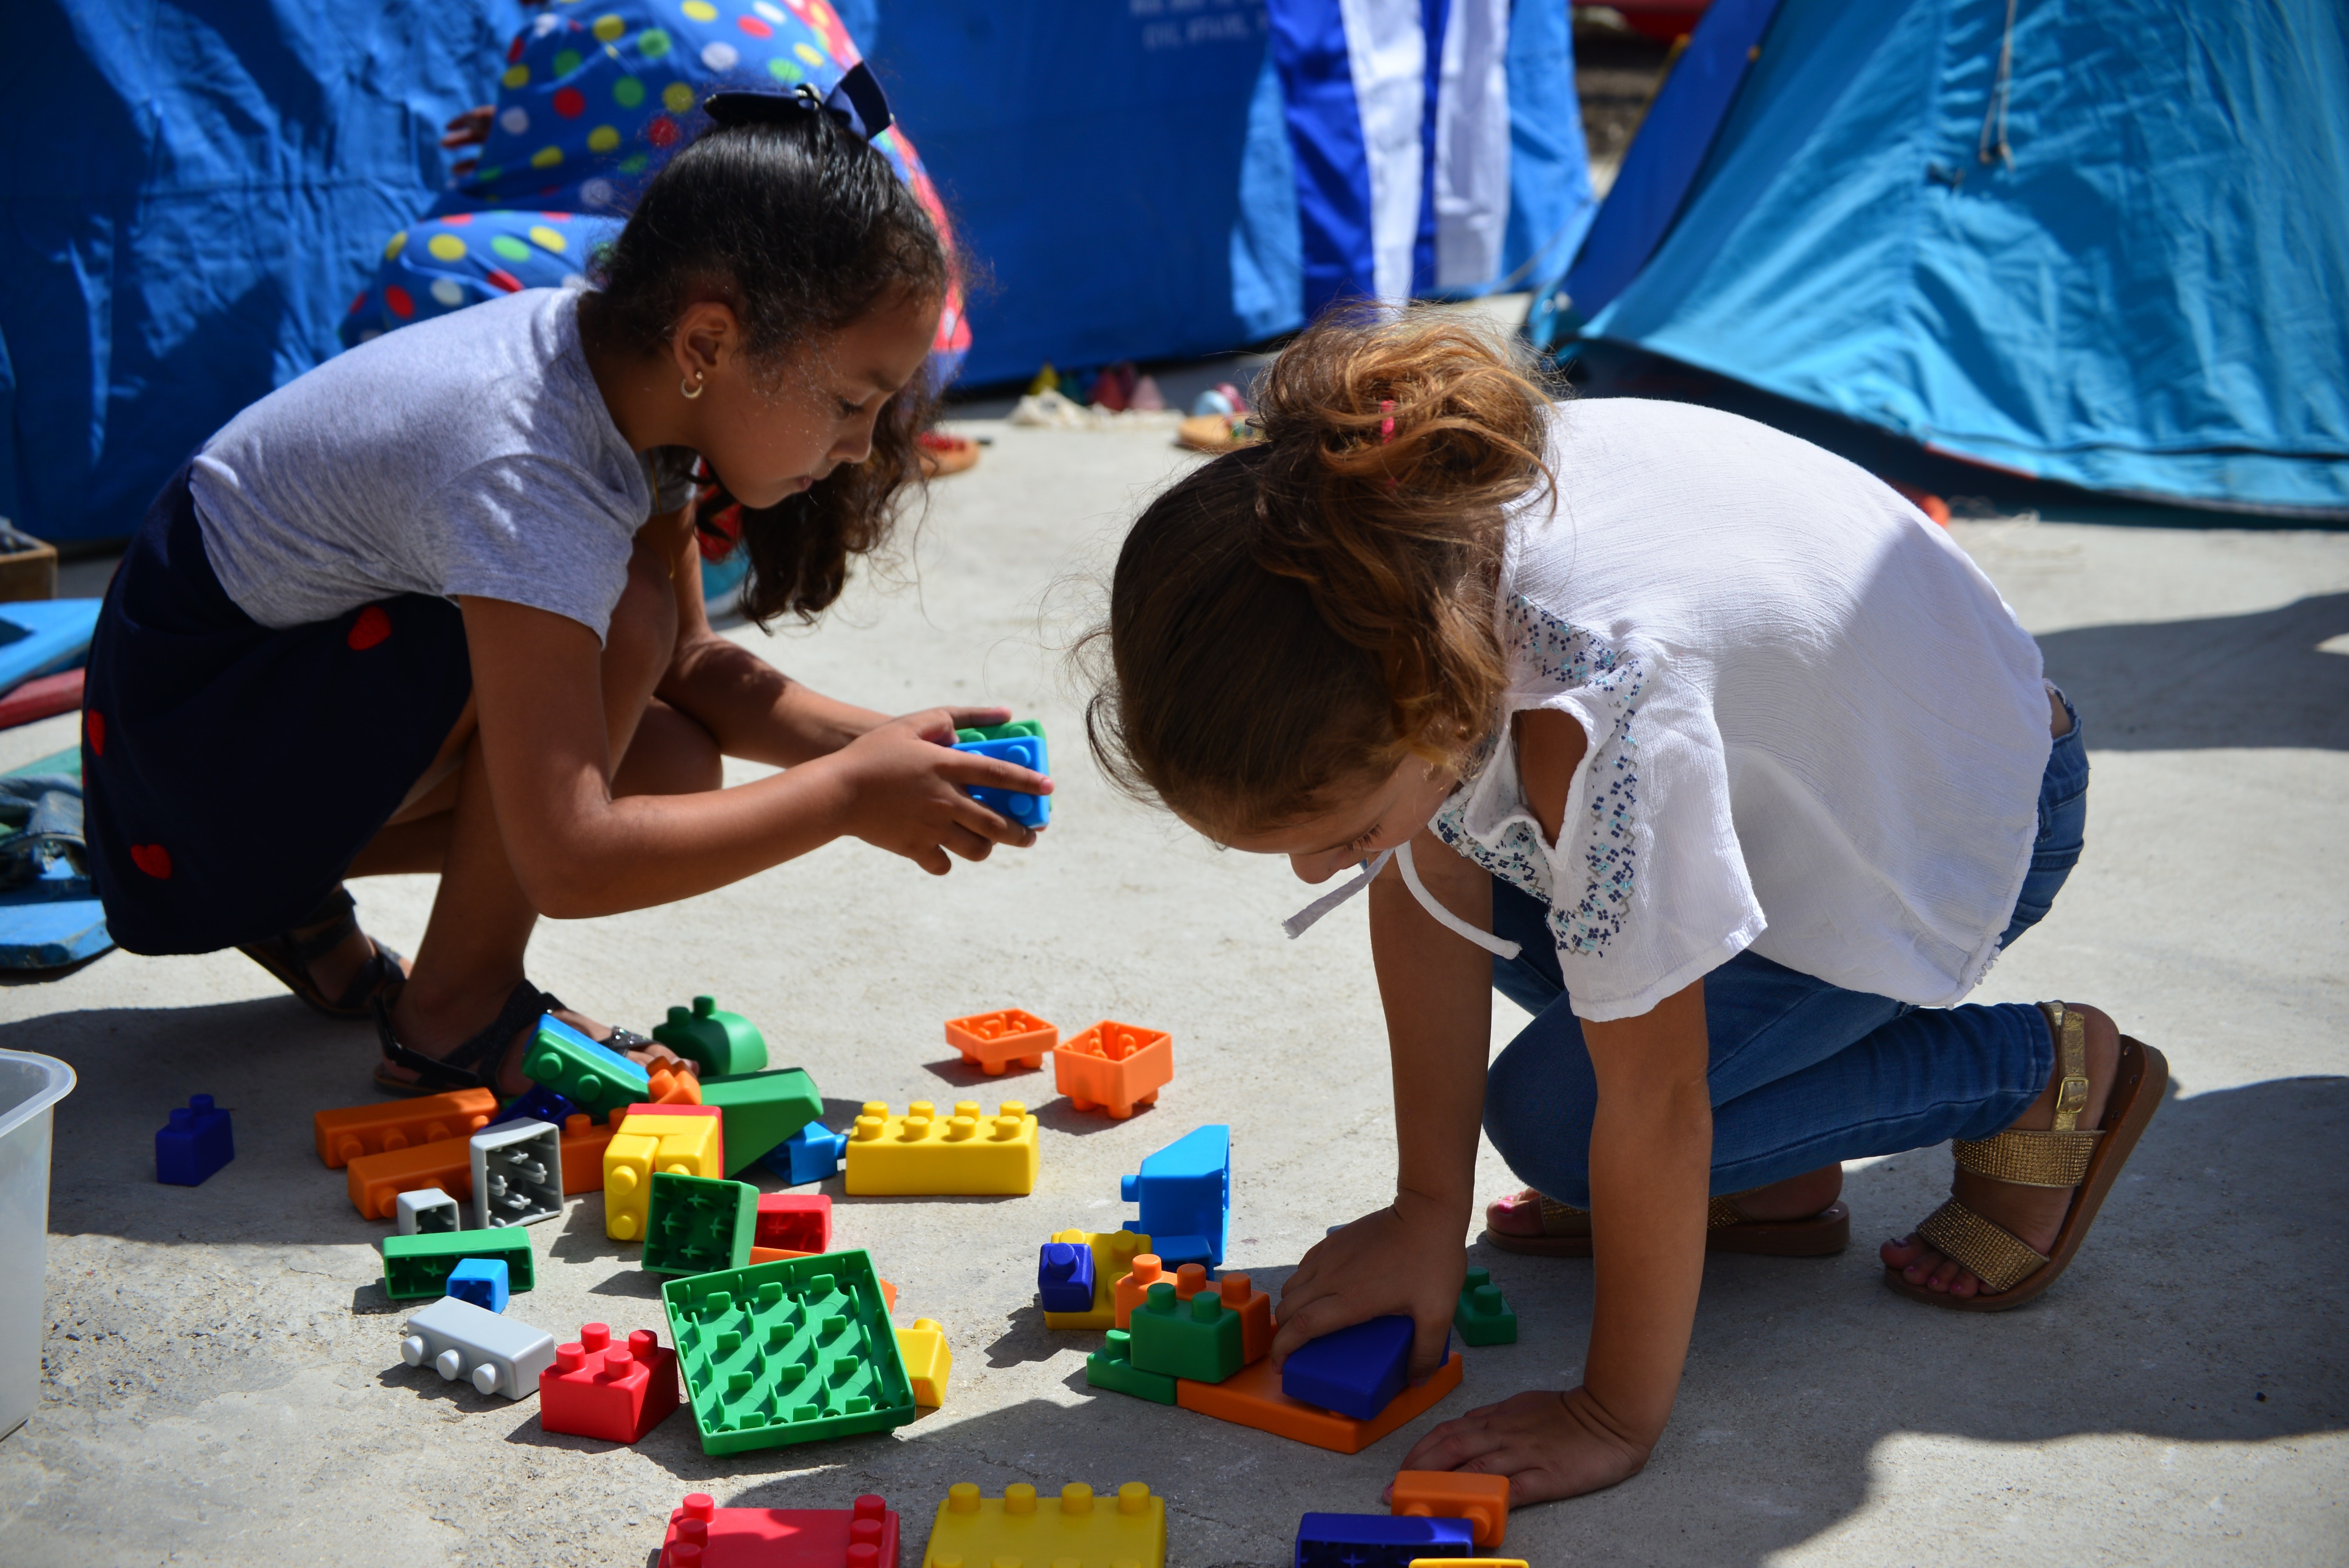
point(2254, 680)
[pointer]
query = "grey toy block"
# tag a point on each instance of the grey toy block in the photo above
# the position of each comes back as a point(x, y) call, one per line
point(427, 1211)
point(517, 1174)
point(495, 1354)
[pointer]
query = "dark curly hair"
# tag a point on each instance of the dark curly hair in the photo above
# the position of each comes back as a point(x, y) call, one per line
point(801, 226)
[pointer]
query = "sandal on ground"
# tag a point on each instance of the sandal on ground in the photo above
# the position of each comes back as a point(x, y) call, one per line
point(2011, 1271)
point(474, 1063)
point(289, 956)
point(1565, 1231)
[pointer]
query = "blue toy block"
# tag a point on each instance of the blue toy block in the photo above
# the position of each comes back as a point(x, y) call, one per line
point(813, 1153)
point(536, 1103)
point(1064, 1276)
point(1028, 751)
point(1356, 1371)
point(1186, 1193)
point(1379, 1540)
point(195, 1144)
point(481, 1281)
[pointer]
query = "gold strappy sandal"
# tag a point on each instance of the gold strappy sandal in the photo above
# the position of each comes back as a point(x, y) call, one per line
point(1565, 1231)
point(2011, 1271)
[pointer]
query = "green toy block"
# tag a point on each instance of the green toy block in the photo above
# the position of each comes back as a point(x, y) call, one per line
point(1483, 1317)
point(596, 1079)
point(724, 1043)
point(1112, 1366)
point(416, 1267)
point(1028, 727)
point(788, 1352)
point(760, 1109)
point(1197, 1339)
point(698, 1224)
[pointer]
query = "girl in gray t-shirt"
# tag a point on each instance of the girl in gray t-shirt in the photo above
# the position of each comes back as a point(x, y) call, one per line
point(436, 605)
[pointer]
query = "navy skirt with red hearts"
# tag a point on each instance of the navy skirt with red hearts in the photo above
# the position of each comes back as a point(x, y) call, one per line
point(232, 772)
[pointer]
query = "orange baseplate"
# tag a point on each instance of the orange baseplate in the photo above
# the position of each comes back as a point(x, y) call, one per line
point(1252, 1397)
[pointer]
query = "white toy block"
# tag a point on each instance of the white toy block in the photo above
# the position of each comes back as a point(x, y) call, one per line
point(517, 1174)
point(427, 1211)
point(495, 1354)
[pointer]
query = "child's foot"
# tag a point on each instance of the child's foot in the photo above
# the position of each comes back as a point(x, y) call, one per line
point(2033, 1213)
point(436, 1030)
point(328, 962)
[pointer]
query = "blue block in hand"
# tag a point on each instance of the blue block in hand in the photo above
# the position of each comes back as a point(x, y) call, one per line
point(1028, 751)
point(481, 1281)
point(1378, 1540)
point(813, 1153)
point(1356, 1371)
point(196, 1144)
point(1064, 1277)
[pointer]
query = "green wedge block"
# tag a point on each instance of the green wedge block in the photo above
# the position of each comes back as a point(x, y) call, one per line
point(724, 1043)
point(760, 1109)
point(416, 1267)
point(594, 1077)
point(698, 1224)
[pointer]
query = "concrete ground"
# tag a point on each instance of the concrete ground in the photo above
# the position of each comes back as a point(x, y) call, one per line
point(223, 1384)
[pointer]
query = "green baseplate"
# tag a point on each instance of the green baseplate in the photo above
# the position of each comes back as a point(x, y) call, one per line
point(788, 1352)
point(698, 1224)
point(415, 1267)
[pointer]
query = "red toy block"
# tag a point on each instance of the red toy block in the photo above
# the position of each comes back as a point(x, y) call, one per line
point(1115, 1068)
point(800, 1222)
point(703, 1535)
point(995, 1042)
point(616, 1392)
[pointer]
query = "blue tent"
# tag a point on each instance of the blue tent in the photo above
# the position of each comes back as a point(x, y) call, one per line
point(2102, 244)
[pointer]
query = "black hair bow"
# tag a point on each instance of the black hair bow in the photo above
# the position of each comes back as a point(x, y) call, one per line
point(856, 103)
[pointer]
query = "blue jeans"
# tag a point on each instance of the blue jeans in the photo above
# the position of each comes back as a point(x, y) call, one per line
point(1804, 1074)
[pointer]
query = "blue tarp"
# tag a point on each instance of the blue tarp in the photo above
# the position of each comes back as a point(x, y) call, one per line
point(2148, 300)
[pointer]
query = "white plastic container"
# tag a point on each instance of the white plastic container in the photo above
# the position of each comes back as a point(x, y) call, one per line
point(30, 1086)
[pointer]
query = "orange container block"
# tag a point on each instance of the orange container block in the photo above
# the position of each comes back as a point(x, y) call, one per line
point(1115, 1068)
point(377, 1181)
point(1252, 1397)
point(346, 1133)
point(995, 1042)
point(1482, 1499)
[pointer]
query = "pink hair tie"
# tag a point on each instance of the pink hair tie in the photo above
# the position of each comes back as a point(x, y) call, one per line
point(1386, 426)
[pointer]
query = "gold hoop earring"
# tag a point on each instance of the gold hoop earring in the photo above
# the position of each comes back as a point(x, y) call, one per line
point(690, 389)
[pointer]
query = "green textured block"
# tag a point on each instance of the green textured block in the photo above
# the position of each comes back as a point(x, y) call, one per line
point(416, 1267)
point(596, 1079)
point(762, 1110)
point(720, 1042)
point(1017, 727)
point(698, 1224)
point(1198, 1339)
point(788, 1352)
point(1483, 1317)
point(1112, 1366)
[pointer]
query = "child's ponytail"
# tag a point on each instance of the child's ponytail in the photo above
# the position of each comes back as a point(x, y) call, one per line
point(1311, 609)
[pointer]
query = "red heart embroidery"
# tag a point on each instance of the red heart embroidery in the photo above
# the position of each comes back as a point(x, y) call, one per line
point(371, 627)
point(93, 726)
point(153, 858)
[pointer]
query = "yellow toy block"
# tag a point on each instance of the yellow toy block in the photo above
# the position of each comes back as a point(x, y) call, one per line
point(1113, 1256)
point(1074, 1530)
point(928, 1360)
point(689, 1145)
point(924, 1154)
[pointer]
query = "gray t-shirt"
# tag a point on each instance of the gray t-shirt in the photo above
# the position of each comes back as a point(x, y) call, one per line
point(466, 454)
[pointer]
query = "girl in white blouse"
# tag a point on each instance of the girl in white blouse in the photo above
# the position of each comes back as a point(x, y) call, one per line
point(1695, 740)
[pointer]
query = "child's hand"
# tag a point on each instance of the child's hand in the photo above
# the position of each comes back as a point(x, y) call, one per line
point(1408, 1259)
point(907, 782)
point(1549, 1444)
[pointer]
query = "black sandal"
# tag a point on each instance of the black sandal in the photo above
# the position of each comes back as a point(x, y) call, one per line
point(288, 958)
point(475, 1062)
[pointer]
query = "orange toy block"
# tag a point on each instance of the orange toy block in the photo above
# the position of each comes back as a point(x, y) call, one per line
point(352, 1130)
point(377, 1181)
point(1253, 1306)
point(1482, 1499)
point(1115, 1068)
point(1252, 1397)
point(995, 1042)
point(775, 1255)
point(1146, 1271)
point(672, 1086)
point(584, 1142)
